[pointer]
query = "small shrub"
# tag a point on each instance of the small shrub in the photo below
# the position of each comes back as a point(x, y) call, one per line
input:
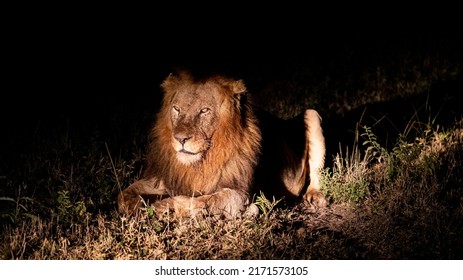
point(349, 178)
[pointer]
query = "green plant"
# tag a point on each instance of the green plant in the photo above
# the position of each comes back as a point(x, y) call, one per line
point(374, 148)
point(265, 205)
point(64, 204)
point(68, 211)
point(16, 209)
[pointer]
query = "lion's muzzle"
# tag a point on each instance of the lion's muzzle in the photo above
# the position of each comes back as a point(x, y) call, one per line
point(188, 149)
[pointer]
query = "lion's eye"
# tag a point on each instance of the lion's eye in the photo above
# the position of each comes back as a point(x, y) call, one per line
point(204, 110)
point(176, 109)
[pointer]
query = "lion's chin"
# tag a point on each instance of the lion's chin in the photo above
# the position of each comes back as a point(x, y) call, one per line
point(188, 158)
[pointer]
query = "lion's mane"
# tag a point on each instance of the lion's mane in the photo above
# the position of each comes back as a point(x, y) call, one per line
point(235, 145)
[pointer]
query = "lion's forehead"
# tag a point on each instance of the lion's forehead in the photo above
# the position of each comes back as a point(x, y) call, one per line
point(197, 97)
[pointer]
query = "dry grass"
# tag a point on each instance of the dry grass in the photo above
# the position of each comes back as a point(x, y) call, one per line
point(300, 233)
point(58, 201)
point(415, 205)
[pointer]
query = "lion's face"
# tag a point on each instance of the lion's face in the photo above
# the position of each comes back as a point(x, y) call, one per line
point(195, 118)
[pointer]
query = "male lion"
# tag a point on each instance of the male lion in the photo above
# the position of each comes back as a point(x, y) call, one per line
point(210, 151)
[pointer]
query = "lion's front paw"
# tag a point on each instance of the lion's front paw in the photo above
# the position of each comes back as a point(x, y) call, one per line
point(163, 206)
point(251, 211)
point(315, 197)
point(181, 206)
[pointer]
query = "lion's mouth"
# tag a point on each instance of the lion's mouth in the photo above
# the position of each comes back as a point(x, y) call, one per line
point(187, 157)
point(187, 152)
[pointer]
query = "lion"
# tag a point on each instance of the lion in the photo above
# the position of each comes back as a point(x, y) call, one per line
point(211, 151)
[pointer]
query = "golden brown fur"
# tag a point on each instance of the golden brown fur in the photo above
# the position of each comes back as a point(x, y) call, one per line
point(207, 156)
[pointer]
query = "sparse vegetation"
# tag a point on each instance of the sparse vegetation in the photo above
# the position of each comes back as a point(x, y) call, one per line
point(57, 201)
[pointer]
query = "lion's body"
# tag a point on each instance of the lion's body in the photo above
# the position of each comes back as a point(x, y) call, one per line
point(209, 152)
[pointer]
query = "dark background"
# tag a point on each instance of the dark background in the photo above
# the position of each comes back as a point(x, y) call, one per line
point(102, 66)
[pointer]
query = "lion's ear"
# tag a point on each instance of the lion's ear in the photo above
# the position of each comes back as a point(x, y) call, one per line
point(168, 82)
point(239, 96)
point(174, 79)
point(238, 87)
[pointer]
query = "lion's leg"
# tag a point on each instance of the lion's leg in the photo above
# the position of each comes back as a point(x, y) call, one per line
point(131, 199)
point(316, 154)
point(226, 202)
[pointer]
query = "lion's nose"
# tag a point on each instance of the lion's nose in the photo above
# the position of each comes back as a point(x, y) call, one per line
point(182, 138)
